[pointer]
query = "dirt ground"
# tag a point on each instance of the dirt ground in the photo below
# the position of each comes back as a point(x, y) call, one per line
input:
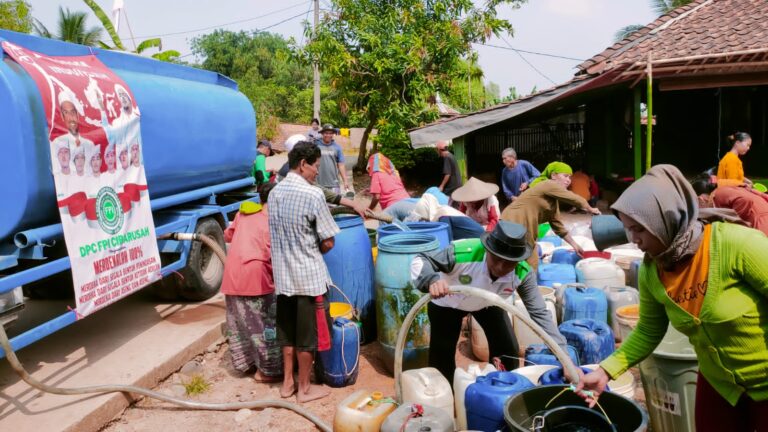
point(228, 385)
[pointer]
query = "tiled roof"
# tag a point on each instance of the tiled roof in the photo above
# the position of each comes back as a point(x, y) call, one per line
point(699, 28)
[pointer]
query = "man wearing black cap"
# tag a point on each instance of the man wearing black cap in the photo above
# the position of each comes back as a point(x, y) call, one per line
point(331, 162)
point(259, 170)
point(496, 263)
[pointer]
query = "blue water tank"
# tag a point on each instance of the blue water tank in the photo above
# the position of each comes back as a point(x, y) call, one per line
point(540, 354)
point(197, 130)
point(338, 367)
point(350, 264)
point(556, 273)
point(396, 295)
point(592, 339)
point(484, 400)
point(555, 240)
point(438, 229)
point(556, 376)
point(583, 302)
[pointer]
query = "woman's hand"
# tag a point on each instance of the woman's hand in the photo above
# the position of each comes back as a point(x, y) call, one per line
point(595, 211)
point(439, 288)
point(592, 385)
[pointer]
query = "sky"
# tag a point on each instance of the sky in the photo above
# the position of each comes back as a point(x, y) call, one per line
point(577, 29)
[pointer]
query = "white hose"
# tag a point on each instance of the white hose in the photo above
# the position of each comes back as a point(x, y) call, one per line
point(492, 299)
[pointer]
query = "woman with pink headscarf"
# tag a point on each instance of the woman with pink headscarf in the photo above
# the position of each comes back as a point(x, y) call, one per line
point(387, 189)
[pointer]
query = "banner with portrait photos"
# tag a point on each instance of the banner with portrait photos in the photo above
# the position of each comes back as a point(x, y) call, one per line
point(98, 169)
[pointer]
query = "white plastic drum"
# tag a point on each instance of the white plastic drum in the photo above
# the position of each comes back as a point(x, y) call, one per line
point(600, 273)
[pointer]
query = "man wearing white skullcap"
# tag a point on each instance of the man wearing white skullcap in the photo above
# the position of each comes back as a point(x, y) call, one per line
point(110, 158)
point(63, 156)
point(70, 110)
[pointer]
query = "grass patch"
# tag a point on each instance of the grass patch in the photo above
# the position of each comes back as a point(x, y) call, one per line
point(196, 385)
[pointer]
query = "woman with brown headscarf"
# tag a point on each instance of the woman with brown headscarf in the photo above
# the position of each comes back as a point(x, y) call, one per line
point(709, 280)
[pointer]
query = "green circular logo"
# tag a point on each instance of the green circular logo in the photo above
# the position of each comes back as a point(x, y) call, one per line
point(109, 211)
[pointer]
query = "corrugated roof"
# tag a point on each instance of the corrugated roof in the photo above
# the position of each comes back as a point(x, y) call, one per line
point(461, 125)
point(699, 28)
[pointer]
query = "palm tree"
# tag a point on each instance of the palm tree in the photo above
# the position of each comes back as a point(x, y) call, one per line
point(168, 55)
point(71, 28)
point(659, 6)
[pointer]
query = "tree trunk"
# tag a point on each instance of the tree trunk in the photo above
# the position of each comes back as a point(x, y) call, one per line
point(362, 157)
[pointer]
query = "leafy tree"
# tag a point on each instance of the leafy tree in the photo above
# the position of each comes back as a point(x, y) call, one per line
point(14, 15)
point(493, 93)
point(267, 73)
point(71, 27)
point(386, 58)
point(659, 6)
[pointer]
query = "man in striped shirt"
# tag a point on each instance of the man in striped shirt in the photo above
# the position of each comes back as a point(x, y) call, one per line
point(301, 230)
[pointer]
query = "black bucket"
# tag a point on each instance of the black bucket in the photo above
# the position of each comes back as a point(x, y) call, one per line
point(567, 412)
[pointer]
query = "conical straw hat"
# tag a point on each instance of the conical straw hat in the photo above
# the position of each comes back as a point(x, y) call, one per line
point(474, 190)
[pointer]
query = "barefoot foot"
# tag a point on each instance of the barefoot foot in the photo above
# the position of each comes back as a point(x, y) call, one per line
point(313, 392)
point(288, 389)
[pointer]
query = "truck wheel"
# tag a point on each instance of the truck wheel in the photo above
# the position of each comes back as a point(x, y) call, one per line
point(167, 288)
point(204, 271)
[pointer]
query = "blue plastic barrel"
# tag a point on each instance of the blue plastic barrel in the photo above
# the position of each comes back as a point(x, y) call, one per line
point(565, 256)
point(540, 354)
point(592, 339)
point(438, 229)
point(350, 265)
point(581, 302)
point(555, 240)
point(395, 296)
point(556, 273)
point(338, 367)
point(484, 400)
point(556, 376)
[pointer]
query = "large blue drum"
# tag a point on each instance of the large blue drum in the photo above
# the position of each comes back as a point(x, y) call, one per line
point(350, 264)
point(437, 229)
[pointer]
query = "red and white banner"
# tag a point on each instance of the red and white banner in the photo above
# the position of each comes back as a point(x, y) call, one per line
point(98, 168)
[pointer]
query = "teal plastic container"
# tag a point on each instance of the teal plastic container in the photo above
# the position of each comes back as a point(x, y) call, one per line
point(395, 296)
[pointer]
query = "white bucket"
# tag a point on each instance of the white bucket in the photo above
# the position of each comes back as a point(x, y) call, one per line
point(533, 372)
point(623, 385)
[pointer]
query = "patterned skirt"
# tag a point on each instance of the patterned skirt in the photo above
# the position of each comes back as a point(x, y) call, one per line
point(252, 334)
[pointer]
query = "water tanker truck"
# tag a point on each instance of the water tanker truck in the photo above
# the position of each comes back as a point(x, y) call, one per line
point(198, 135)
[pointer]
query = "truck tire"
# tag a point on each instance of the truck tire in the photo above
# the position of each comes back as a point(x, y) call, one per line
point(204, 271)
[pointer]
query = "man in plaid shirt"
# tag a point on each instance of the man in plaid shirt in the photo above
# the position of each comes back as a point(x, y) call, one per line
point(301, 230)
